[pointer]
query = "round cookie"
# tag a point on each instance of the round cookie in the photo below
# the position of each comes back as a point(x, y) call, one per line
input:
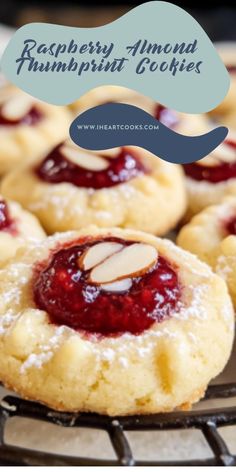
point(211, 178)
point(211, 235)
point(226, 111)
point(101, 95)
point(28, 127)
point(17, 227)
point(179, 122)
point(127, 187)
point(114, 321)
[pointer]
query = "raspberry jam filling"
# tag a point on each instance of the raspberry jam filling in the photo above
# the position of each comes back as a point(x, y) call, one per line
point(56, 168)
point(64, 291)
point(219, 173)
point(30, 119)
point(231, 69)
point(166, 116)
point(6, 222)
point(230, 225)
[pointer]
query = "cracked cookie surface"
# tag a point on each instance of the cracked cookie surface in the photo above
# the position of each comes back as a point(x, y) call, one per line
point(211, 235)
point(28, 127)
point(163, 367)
point(17, 227)
point(126, 187)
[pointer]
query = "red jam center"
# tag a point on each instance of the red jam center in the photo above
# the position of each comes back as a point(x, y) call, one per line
point(230, 225)
point(231, 69)
point(56, 168)
point(63, 290)
point(6, 222)
point(219, 173)
point(166, 116)
point(30, 119)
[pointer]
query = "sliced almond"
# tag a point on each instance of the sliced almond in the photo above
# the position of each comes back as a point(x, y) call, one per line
point(83, 159)
point(70, 143)
point(133, 260)
point(113, 152)
point(6, 93)
point(223, 153)
point(17, 107)
point(108, 152)
point(227, 55)
point(208, 161)
point(118, 286)
point(141, 101)
point(97, 254)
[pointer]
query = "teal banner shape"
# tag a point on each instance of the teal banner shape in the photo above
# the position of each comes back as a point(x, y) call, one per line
point(157, 48)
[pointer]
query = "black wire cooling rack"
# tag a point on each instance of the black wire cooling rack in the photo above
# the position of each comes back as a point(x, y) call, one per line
point(207, 421)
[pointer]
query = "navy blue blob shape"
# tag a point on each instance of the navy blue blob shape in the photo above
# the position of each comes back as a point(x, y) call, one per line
point(87, 132)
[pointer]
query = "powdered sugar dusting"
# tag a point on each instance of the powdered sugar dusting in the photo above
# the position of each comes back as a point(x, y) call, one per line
point(224, 265)
point(6, 320)
point(196, 309)
point(118, 350)
point(108, 354)
point(12, 290)
point(59, 199)
point(123, 361)
point(226, 313)
point(35, 360)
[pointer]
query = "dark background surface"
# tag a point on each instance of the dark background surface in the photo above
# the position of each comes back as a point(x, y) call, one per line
point(218, 18)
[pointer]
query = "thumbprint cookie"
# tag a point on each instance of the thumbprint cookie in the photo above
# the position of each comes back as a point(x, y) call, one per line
point(226, 111)
point(101, 95)
point(28, 127)
point(211, 235)
point(127, 187)
point(179, 122)
point(17, 227)
point(114, 321)
point(211, 178)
